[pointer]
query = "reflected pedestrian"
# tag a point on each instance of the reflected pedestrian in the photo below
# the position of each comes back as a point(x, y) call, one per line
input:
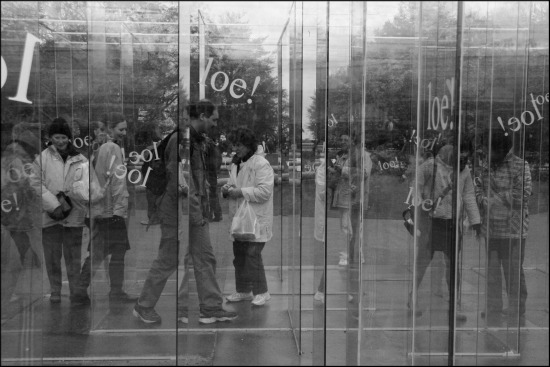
point(503, 188)
point(108, 215)
point(97, 138)
point(320, 213)
point(435, 188)
point(16, 189)
point(342, 193)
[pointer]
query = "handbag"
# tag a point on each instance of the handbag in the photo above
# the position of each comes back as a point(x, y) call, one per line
point(409, 220)
point(244, 226)
point(408, 217)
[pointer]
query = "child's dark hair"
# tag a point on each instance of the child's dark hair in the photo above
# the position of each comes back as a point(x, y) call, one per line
point(245, 136)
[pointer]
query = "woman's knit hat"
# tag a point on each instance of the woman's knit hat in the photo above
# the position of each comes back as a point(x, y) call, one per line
point(60, 126)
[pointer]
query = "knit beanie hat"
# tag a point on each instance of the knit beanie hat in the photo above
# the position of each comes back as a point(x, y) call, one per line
point(60, 126)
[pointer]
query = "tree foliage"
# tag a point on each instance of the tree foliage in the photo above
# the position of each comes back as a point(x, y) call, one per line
point(237, 53)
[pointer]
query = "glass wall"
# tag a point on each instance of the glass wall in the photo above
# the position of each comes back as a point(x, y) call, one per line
point(390, 158)
point(22, 119)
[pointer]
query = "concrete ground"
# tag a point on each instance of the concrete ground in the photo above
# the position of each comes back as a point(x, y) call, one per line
point(108, 334)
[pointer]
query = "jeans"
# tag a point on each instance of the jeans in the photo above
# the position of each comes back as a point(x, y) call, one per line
point(505, 254)
point(354, 260)
point(62, 241)
point(152, 207)
point(215, 207)
point(249, 267)
point(440, 240)
point(109, 236)
point(204, 266)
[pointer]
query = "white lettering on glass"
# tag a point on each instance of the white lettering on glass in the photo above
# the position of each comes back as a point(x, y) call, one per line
point(237, 83)
point(25, 72)
point(515, 124)
point(437, 108)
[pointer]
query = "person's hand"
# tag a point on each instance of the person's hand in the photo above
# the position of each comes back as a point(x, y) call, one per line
point(477, 229)
point(183, 190)
point(235, 193)
point(57, 214)
point(484, 202)
point(225, 188)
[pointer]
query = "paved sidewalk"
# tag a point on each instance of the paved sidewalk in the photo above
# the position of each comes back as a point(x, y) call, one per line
point(108, 334)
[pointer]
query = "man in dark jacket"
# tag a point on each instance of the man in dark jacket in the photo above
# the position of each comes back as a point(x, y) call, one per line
point(202, 114)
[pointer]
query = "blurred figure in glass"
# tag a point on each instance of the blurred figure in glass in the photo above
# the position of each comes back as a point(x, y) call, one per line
point(19, 217)
point(341, 189)
point(98, 137)
point(108, 215)
point(503, 187)
point(251, 179)
point(435, 188)
point(320, 213)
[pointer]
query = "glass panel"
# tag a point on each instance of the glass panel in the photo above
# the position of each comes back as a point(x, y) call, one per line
point(133, 76)
point(234, 65)
point(22, 259)
point(294, 161)
point(536, 154)
point(390, 54)
point(435, 166)
point(187, 345)
point(364, 115)
point(499, 77)
point(314, 181)
point(109, 216)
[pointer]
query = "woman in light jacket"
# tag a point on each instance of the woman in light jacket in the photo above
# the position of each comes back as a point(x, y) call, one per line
point(435, 186)
point(59, 167)
point(108, 215)
point(251, 179)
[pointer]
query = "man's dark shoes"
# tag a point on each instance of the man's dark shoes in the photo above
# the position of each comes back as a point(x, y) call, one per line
point(146, 314)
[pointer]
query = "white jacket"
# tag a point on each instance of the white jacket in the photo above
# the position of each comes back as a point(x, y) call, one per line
point(320, 201)
point(256, 180)
point(54, 176)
